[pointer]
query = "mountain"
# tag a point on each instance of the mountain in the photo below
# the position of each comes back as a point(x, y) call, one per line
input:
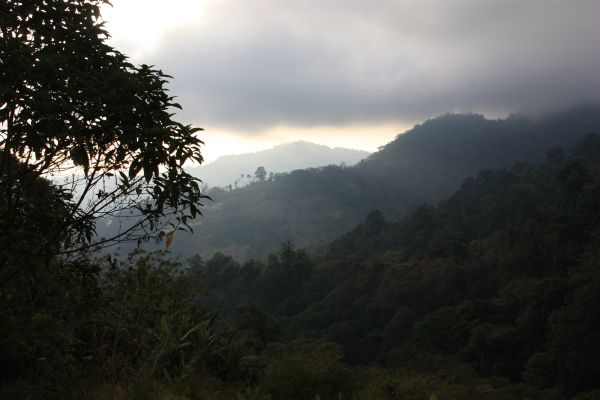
point(427, 163)
point(499, 281)
point(226, 170)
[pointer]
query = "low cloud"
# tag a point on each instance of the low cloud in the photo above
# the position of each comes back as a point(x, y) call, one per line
point(255, 64)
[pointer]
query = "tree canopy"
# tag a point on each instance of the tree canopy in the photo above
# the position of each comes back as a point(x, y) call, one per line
point(76, 112)
point(499, 282)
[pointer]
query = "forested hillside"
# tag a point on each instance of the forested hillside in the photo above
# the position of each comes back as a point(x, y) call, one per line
point(492, 294)
point(460, 262)
point(423, 165)
point(496, 287)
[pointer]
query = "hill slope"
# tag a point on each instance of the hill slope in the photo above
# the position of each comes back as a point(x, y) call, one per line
point(499, 281)
point(424, 164)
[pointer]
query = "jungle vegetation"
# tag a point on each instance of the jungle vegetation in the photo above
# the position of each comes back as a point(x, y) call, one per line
point(493, 293)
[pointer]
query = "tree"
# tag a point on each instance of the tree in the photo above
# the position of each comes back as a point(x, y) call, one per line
point(76, 112)
point(260, 174)
point(29, 220)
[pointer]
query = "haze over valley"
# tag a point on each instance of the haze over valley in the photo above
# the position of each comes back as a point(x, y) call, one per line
point(312, 206)
point(234, 169)
point(300, 200)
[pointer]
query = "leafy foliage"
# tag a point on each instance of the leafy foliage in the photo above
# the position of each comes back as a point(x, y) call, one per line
point(74, 110)
point(491, 294)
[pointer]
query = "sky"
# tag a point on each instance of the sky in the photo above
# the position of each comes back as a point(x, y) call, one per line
point(355, 73)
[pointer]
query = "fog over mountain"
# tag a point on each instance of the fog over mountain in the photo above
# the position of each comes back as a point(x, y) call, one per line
point(227, 170)
point(343, 62)
point(170, 228)
point(422, 165)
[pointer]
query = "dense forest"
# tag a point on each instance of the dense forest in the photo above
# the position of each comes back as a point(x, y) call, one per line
point(495, 289)
point(311, 207)
point(491, 294)
point(451, 287)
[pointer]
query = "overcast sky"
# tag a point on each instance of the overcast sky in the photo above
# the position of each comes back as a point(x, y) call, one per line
point(357, 72)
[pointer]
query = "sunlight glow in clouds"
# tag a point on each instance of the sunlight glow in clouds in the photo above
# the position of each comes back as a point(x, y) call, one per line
point(339, 72)
point(220, 141)
point(136, 26)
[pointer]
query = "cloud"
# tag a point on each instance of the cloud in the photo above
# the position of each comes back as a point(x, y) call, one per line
point(252, 65)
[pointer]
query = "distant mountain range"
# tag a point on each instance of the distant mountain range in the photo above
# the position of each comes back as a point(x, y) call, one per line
point(310, 207)
point(232, 169)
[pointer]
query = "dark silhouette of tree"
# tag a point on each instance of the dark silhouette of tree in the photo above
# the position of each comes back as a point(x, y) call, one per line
point(31, 214)
point(74, 111)
point(260, 174)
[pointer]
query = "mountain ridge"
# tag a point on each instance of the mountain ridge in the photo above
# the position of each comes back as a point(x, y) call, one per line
point(421, 166)
point(284, 157)
point(498, 281)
